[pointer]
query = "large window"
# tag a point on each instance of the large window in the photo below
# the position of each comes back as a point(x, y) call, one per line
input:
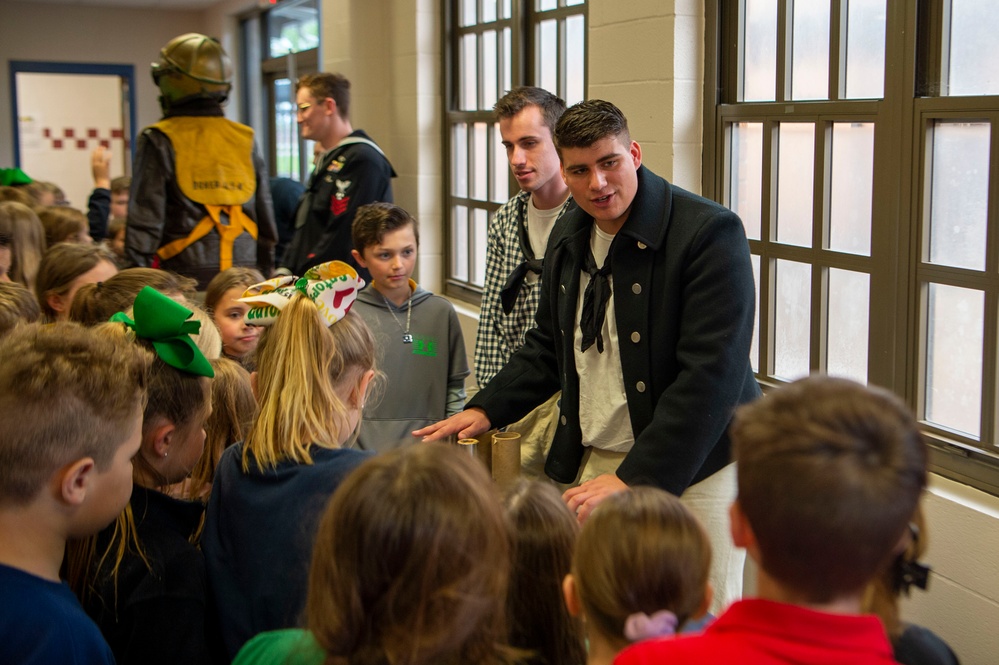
point(493, 46)
point(856, 139)
point(279, 45)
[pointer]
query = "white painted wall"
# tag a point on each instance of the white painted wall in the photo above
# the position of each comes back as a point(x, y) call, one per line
point(391, 52)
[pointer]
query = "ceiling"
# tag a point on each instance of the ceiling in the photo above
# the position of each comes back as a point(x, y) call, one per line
point(137, 4)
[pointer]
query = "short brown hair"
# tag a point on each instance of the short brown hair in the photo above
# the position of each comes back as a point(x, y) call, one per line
point(17, 305)
point(122, 183)
point(62, 224)
point(96, 303)
point(323, 85)
point(543, 535)
point(16, 194)
point(410, 562)
point(830, 472)
point(640, 551)
point(513, 102)
point(61, 265)
point(73, 391)
point(374, 220)
point(585, 123)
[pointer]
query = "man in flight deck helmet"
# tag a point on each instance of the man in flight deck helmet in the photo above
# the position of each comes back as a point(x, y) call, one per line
point(200, 200)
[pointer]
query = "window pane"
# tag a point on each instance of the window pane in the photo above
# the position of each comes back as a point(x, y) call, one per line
point(467, 12)
point(481, 221)
point(293, 27)
point(759, 51)
point(480, 152)
point(794, 183)
point(754, 349)
point(974, 51)
point(488, 11)
point(490, 72)
point(810, 59)
point(852, 187)
point(547, 54)
point(459, 160)
point(501, 173)
point(507, 59)
point(469, 74)
point(575, 59)
point(545, 5)
point(848, 318)
point(793, 312)
point(746, 178)
point(571, 3)
point(506, 8)
point(865, 49)
point(459, 243)
point(285, 130)
point(955, 321)
point(960, 196)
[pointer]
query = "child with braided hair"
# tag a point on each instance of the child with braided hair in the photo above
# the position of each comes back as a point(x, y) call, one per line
point(315, 361)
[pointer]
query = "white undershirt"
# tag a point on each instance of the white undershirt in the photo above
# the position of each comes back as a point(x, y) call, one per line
point(603, 405)
point(539, 227)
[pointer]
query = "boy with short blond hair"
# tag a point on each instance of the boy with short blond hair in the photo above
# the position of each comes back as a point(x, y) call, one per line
point(829, 474)
point(419, 340)
point(73, 402)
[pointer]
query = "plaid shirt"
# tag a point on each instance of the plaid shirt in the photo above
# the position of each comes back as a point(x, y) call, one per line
point(501, 334)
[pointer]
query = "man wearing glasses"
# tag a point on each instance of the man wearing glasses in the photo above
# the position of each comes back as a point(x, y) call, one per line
point(352, 172)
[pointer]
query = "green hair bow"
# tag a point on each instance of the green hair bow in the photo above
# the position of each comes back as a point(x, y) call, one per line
point(164, 322)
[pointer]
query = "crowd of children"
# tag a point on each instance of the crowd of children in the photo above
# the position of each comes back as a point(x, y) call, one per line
point(237, 483)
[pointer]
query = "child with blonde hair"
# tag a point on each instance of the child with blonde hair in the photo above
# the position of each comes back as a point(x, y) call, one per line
point(640, 571)
point(143, 579)
point(222, 301)
point(73, 404)
point(233, 409)
point(410, 566)
point(315, 362)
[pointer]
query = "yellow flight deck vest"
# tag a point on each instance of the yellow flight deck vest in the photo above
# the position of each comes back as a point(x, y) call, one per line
point(214, 167)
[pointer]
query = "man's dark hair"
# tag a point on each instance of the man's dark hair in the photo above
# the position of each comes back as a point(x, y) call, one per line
point(585, 123)
point(516, 100)
point(323, 85)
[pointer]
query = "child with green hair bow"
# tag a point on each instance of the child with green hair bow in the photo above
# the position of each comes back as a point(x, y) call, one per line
point(143, 578)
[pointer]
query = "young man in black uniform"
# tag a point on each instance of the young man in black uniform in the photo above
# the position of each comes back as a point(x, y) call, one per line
point(352, 172)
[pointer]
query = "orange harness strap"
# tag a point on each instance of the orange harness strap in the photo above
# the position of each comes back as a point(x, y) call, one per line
point(239, 222)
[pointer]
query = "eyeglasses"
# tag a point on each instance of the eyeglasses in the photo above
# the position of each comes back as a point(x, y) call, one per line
point(302, 108)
